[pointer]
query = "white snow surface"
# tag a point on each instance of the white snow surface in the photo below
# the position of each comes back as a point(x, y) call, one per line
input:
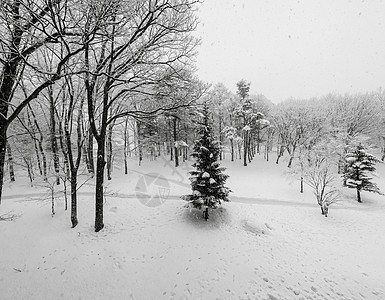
point(270, 242)
point(205, 175)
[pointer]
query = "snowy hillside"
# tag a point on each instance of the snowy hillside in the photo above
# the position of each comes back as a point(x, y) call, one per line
point(270, 242)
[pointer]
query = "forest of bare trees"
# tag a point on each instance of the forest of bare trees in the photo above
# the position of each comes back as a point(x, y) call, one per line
point(78, 76)
point(87, 65)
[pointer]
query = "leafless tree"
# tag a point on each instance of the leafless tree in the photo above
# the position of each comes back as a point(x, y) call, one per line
point(144, 43)
point(317, 169)
point(29, 29)
point(299, 124)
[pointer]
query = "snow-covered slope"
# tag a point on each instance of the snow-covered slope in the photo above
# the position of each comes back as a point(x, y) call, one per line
point(271, 242)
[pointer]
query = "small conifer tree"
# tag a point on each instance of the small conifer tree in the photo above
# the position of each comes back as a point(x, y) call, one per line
point(207, 178)
point(359, 164)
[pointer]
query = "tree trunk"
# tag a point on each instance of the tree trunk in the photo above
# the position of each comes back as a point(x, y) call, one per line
point(10, 163)
point(52, 188)
point(185, 149)
point(109, 151)
point(74, 202)
point(301, 184)
point(3, 142)
point(245, 148)
point(85, 154)
point(250, 149)
point(138, 128)
point(8, 76)
point(35, 143)
point(129, 145)
point(176, 156)
point(90, 152)
point(186, 153)
point(41, 149)
point(175, 140)
point(345, 169)
point(63, 146)
point(325, 208)
point(359, 196)
point(99, 199)
point(206, 213)
point(34, 138)
point(54, 146)
point(258, 141)
point(40, 142)
point(126, 144)
point(232, 149)
point(280, 150)
point(74, 164)
point(65, 192)
point(29, 170)
point(74, 167)
point(135, 138)
point(290, 161)
point(170, 148)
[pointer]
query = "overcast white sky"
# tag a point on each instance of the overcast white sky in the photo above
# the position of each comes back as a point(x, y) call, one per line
point(300, 49)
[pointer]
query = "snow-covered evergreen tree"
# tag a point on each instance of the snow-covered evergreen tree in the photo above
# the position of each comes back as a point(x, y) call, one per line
point(359, 164)
point(207, 178)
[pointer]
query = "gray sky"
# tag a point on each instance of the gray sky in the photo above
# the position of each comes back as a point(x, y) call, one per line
point(299, 49)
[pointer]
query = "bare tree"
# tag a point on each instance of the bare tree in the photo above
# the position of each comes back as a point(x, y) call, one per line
point(298, 123)
point(144, 43)
point(352, 117)
point(317, 169)
point(288, 120)
point(220, 97)
point(10, 163)
point(72, 124)
point(29, 29)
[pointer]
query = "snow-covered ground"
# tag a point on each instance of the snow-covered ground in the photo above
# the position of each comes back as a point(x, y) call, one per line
point(270, 242)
